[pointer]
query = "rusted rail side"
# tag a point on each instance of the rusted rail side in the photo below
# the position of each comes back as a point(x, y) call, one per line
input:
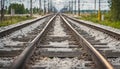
point(10, 30)
point(99, 60)
point(111, 33)
point(21, 60)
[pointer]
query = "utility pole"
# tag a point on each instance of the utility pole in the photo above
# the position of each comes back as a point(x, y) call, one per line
point(95, 6)
point(99, 12)
point(40, 10)
point(2, 9)
point(79, 7)
point(31, 10)
point(99, 4)
point(75, 7)
point(69, 7)
point(72, 7)
point(48, 5)
point(44, 7)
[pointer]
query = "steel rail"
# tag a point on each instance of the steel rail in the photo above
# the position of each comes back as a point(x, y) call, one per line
point(99, 60)
point(12, 29)
point(22, 59)
point(111, 33)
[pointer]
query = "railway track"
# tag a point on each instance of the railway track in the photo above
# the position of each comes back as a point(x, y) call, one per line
point(18, 27)
point(109, 32)
point(15, 39)
point(60, 46)
point(105, 41)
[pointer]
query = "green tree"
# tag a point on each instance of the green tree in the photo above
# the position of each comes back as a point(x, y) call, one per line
point(19, 8)
point(26, 10)
point(35, 10)
point(115, 9)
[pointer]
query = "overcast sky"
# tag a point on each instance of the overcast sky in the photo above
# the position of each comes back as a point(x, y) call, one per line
point(59, 4)
point(85, 4)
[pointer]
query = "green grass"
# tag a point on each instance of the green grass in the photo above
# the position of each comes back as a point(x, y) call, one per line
point(14, 19)
point(107, 21)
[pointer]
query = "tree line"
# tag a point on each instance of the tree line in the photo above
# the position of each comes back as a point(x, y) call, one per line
point(20, 9)
point(115, 9)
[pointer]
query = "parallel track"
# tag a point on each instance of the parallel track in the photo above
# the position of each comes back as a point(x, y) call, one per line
point(111, 33)
point(15, 39)
point(15, 28)
point(35, 50)
point(108, 45)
